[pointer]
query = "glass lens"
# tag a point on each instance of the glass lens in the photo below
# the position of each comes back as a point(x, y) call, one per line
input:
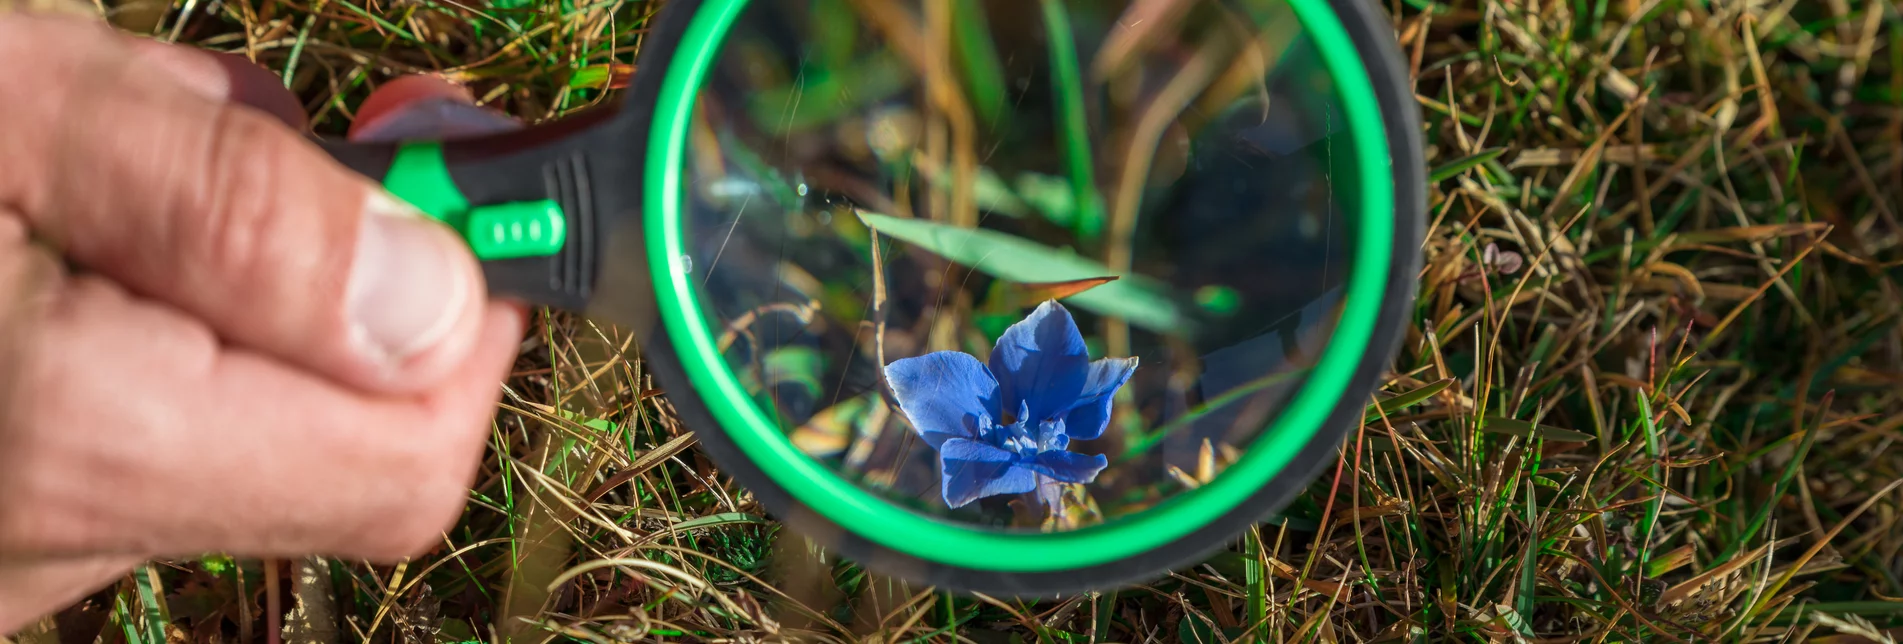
point(1022, 265)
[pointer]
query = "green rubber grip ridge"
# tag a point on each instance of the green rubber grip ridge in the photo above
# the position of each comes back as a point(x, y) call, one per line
point(419, 175)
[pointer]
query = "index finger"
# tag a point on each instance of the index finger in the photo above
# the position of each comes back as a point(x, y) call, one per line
point(132, 161)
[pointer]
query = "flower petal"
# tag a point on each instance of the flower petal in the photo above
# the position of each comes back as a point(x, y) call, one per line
point(1091, 413)
point(945, 394)
point(974, 470)
point(1069, 467)
point(1041, 360)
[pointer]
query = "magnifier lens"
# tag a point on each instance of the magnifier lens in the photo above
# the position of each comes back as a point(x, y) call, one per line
point(1007, 154)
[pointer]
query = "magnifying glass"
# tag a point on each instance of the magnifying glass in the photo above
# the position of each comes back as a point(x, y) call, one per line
point(1022, 298)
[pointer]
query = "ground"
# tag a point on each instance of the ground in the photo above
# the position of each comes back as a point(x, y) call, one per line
point(1651, 391)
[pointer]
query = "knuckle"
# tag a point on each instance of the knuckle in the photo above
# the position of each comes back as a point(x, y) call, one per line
point(237, 236)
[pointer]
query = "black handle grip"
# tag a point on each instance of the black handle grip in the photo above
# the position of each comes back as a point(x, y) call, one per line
point(528, 202)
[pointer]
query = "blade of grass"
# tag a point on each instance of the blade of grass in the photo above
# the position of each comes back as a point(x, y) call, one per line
point(1406, 400)
point(1453, 168)
point(1763, 513)
point(154, 613)
point(1652, 509)
point(1068, 86)
point(1523, 429)
point(978, 59)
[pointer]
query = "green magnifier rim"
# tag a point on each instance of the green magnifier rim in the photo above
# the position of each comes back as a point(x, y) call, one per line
point(881, 522)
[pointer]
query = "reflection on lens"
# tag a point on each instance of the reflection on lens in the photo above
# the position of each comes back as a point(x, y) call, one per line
point(1020, 265)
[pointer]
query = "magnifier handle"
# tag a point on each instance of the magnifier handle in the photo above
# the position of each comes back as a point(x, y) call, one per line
point(524, 201)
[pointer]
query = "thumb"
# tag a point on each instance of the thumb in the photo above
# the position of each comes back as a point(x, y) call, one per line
point(137, 166)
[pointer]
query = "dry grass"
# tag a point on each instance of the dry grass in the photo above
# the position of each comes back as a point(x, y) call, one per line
point(1670, 406)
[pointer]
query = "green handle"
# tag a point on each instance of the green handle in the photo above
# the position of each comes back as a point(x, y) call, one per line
point(509, 230)
point(526, 202)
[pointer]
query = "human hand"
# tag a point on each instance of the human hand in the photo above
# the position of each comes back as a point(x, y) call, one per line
point(264, 355)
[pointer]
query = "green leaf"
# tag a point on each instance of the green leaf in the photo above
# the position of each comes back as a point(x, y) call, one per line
point(1523, 429)
point(723, 518)
point(1783, 482)
point(597, 424)
point(1196, 629)
point(1453, 168)
point(756, 169)
point(820, 96)
point(1529, 560)
point(1067, 85)
point(1651, 517)
point(1139, 300)
point(457, 631)
point(1255, 580)
point(1050, 195)
point(978, 59)
point(1218, 299)
point(837, 20)
point(1409, 399)
point(1511, 619)
point(216, 564)
point(592, 76)
point(123, 615)
point(154, 611)
point(989, 191)
point(1104, 612)
point(795, 364)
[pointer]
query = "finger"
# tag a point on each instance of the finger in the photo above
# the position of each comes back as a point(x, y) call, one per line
point(146, 175)
point(232, 76)
point(134, 431)
point(31, 587)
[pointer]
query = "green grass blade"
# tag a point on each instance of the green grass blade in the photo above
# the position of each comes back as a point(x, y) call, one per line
point(840, 22)
point(1453, 168)
point(1138, 300)
point(1763, 512)
point(808, 103)
point(723, 518)
point(1068, 85)
point(978, 58)
point(1650, 521)
point(1523, 429)
point(123, 614)
point(154, 613)
point(1408, 399)
point(1256, 578)
point(1529, 570)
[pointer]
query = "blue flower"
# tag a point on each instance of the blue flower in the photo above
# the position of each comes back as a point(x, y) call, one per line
point(999, 428)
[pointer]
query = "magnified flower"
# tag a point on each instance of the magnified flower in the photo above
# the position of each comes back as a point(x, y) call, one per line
point(998, 428)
